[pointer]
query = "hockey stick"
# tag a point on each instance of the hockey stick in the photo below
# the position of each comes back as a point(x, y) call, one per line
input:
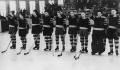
point(20, 52)
point(30, 48)
point(60, 54)
point(6, 48)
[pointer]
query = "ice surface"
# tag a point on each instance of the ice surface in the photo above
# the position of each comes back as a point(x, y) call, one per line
point(40, 60)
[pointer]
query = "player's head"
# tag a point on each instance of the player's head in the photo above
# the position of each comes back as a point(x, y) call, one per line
point(12, 13)
point(99, 13)
point(58, 14)
point(46, 13)
point(61, 12)
point(72, 13)
point(113, 12)
point(21, 15)
point(35, 13)
point(83, 14)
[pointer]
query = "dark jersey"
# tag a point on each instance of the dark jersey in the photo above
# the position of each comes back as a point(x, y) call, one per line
point(23, 23)
point(84, 22)
point(23, 27)
point(35, 20)
point(60, 21)
point(100, 22)
point(73, 20)
point(46, 20)
point(114, 21)
point(12, 20)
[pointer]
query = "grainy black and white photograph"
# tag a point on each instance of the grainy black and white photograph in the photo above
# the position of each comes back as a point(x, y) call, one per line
point(59, 34)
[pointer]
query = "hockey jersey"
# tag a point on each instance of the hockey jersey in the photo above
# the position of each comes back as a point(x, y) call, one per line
point(100, 22)
point(84, 23)
point(12, 20)
point(114, 21)
point(73, 20)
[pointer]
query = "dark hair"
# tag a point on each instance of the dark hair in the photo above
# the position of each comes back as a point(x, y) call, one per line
point(58, 11)
point(96, 12)
point(83, 12)
point(13, 12)
point(114, 9)
point(99, 11)
point(36, 12)
point(21, 13)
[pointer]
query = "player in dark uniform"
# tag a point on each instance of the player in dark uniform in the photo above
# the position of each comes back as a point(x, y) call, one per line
point(84, 26)
point(72, 19)
point(23, 30)
point(47, 30)
point(12, 28)
point(60, 30)
point(98, 36)
point(114, 24)
point(36, 28)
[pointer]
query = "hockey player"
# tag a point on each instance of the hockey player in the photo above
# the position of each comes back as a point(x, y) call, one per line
point(23, 29)
point(72, 20)
point(47, 31)
point(84, 26)
point(12, 28)
point(98, 36)
point(60, 30)
point(36, 28)
point(114, 24)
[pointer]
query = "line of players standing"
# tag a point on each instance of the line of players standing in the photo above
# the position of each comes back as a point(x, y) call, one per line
point(103, 27)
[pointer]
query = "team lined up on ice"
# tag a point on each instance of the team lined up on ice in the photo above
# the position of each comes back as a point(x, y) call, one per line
point(103, 27)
